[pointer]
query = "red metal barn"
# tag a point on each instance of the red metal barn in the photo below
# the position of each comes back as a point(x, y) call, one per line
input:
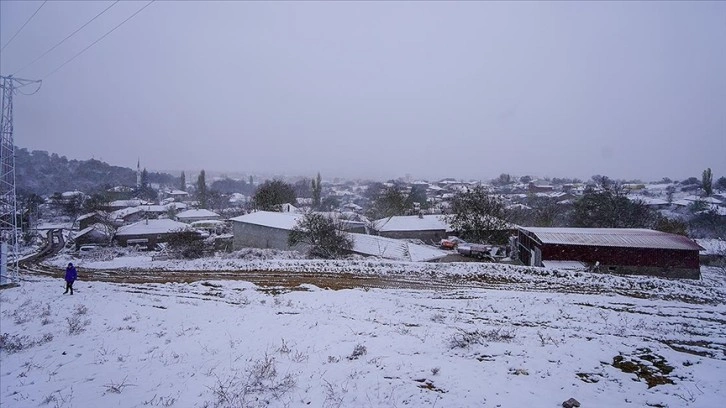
point(618, 250)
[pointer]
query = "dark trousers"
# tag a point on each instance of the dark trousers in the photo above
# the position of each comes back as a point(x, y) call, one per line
point(69, 285)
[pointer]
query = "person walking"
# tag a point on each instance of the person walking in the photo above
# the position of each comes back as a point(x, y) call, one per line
point(71, 276)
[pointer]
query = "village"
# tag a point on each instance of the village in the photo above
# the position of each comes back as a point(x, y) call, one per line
point(527, 226)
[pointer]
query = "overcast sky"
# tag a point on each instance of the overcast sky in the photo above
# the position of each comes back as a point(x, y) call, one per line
point(379, 89)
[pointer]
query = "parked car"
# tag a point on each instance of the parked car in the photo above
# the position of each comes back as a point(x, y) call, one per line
point(451, 243)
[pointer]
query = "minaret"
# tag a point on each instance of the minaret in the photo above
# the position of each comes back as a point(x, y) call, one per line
point(138, 173)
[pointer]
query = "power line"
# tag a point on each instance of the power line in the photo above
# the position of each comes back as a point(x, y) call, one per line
point(69, 36)
point(23, 26)
point(101, 38)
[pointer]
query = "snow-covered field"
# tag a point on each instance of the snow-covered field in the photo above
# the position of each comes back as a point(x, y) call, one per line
point(232, 344)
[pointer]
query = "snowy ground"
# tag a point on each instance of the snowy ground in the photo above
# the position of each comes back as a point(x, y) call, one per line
point(232, 344)
point(710, 289)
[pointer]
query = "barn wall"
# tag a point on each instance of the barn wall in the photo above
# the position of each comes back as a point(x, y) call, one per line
point(648, 257)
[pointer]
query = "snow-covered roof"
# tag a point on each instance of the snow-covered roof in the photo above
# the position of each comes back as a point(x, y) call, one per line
point(649, 200)
point(83, 232)
point(84, 216)
point(155, 208)
point(270, 219)
point(124, 212)
point(412, 223)
point(177, 206)
point(127, 203)
point(396, 249)
point(613, 237)
point(707, 200)
point(238, 197)
point(146, 227)
point(177, 192)
point(69, 194)
point(87, 230)
point(120, 189)
point(200, 213)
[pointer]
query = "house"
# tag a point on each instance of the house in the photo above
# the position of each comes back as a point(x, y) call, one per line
point(177, 195)
point(126, 215)
point(617, 250)
point(86, 220)
point(119, 204)
point(212, 227)
point(263, 229)
point(97, 234)
point(427, 228)
point(196, 215)
point(148, 233)
point(543, 188)
point(652, 202)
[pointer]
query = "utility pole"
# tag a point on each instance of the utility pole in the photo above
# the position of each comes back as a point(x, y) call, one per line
point(9, 234)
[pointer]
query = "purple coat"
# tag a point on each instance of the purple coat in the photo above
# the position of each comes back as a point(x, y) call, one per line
point(71, 274)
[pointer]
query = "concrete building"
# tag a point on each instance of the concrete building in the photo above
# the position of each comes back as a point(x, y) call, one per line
point(148, 233)
point(615, 250)
point(263, 229)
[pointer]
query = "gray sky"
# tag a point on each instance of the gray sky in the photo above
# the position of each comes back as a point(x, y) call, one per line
point(379, 89)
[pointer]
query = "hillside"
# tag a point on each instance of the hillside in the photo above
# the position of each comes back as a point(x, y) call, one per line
point(45, 173)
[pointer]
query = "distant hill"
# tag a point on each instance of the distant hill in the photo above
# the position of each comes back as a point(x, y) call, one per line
point(46, 173)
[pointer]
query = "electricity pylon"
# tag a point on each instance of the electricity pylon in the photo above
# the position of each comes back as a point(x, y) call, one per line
point(9, 234)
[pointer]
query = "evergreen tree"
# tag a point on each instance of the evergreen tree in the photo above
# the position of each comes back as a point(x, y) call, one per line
point(707, 182)
point(317, 191)
point(272, 194)
point(202, 195)
point(183, 182)
point(144, 178)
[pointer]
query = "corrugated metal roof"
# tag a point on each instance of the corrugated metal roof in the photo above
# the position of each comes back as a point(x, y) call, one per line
point(395, 249)
point(613, 237)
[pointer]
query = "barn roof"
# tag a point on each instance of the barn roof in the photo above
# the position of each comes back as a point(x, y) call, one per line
point(613, 237)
